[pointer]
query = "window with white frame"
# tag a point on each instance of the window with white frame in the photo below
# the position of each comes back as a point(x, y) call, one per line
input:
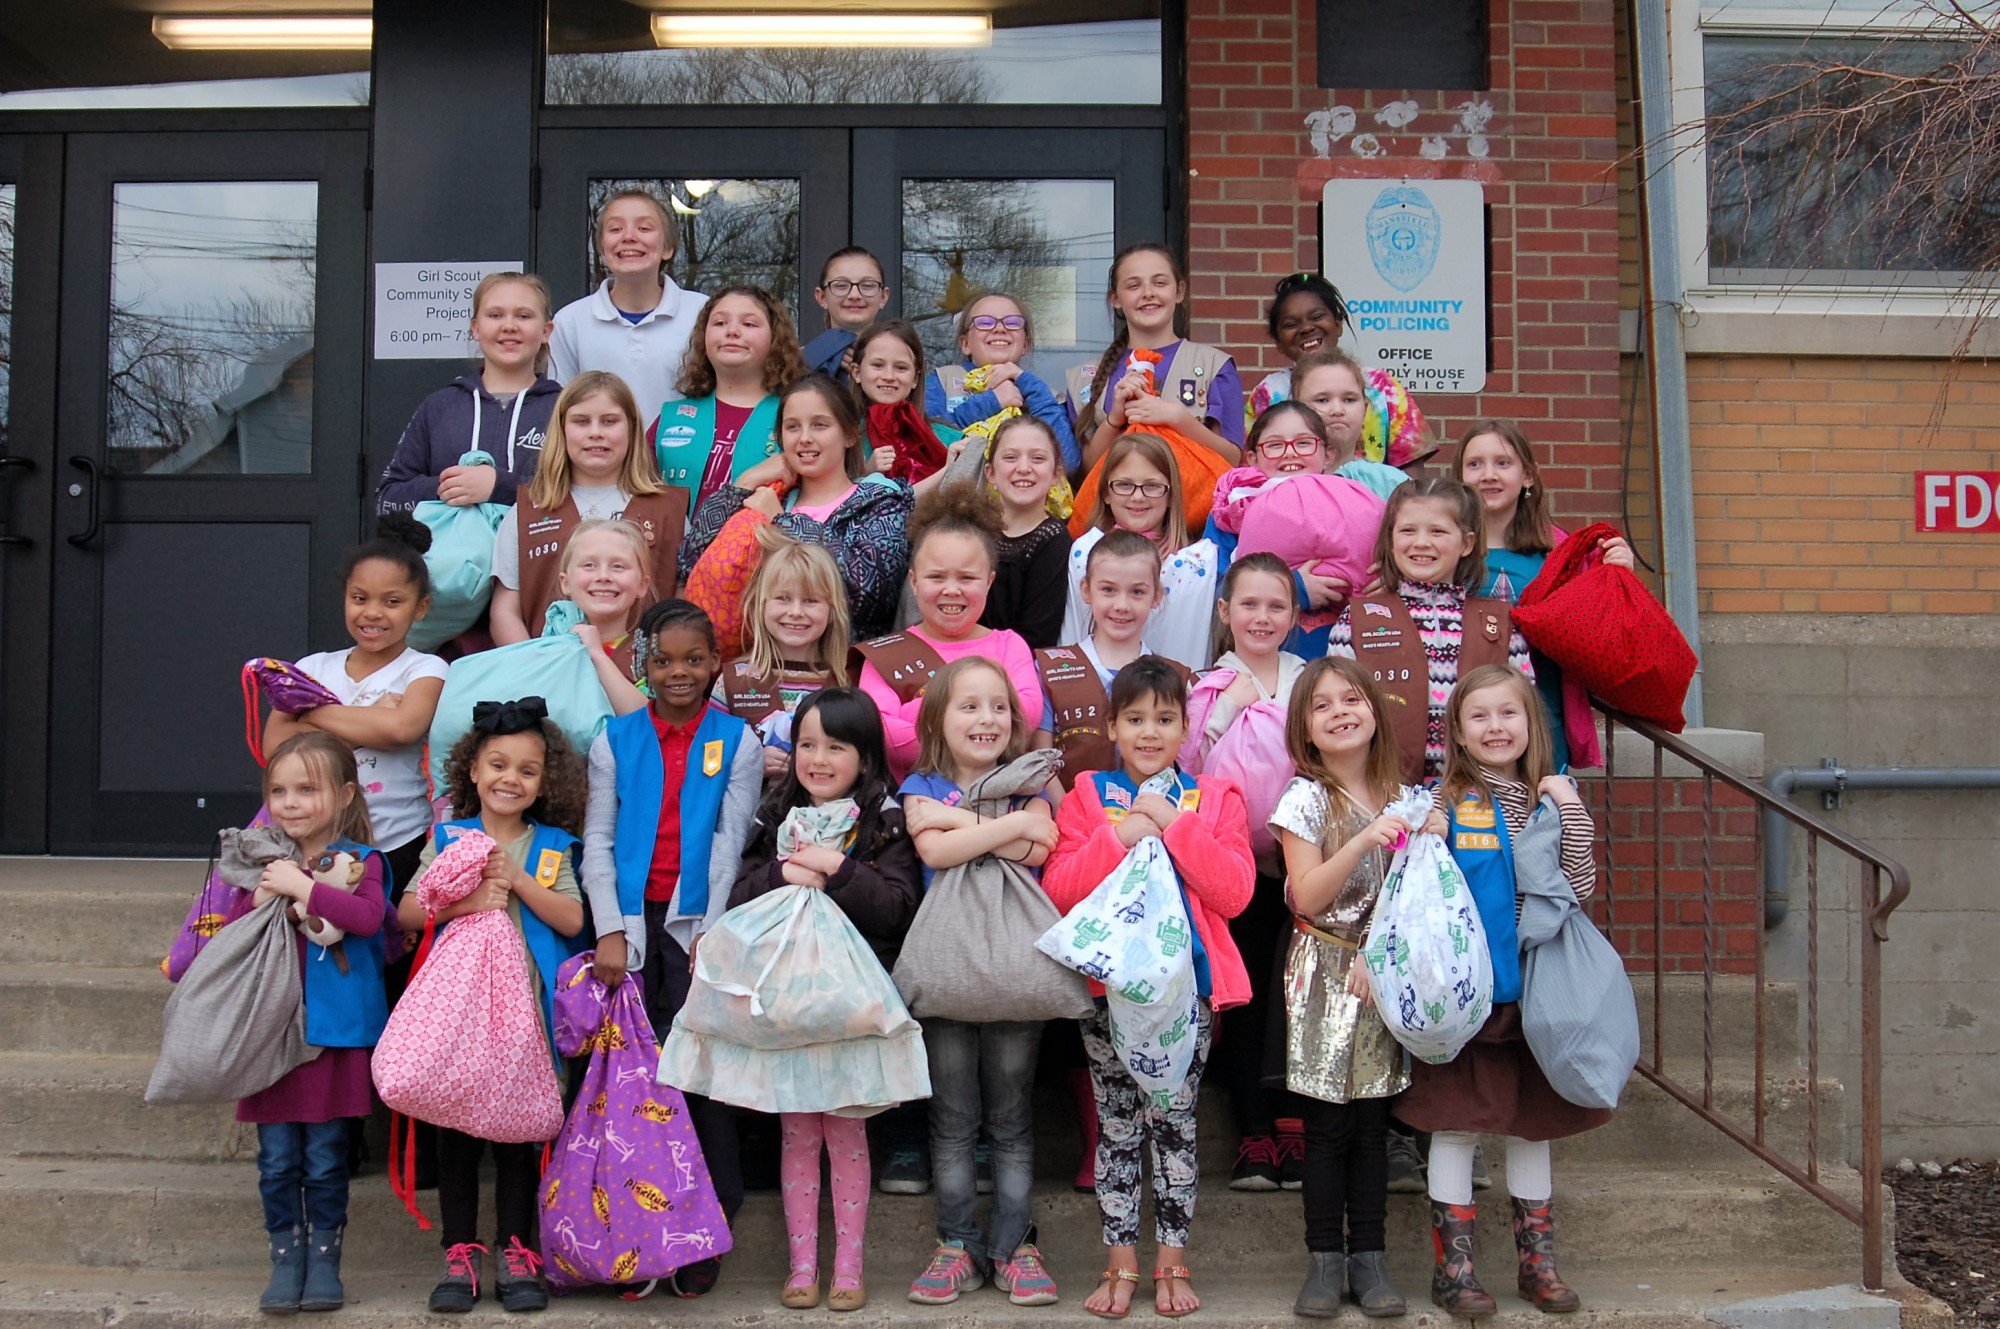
point(1815, 169)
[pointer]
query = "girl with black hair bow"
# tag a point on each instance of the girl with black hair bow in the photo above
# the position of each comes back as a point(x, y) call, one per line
point(516, 778)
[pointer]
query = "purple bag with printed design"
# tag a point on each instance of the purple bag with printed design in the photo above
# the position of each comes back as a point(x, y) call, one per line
point(626, 1196)
point(233, 869)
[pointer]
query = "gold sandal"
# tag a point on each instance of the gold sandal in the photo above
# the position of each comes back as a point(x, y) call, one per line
point(1166, 1271)
point(847, 1298)
point(1115, 1276)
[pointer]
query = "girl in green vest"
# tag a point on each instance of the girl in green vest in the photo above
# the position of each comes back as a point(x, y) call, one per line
point(744, 352)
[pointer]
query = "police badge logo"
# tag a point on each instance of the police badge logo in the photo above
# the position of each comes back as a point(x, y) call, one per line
point(1404, 231)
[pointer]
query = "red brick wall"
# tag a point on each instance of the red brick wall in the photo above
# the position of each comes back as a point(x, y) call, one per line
point(1624, 905)
point(1550, 182)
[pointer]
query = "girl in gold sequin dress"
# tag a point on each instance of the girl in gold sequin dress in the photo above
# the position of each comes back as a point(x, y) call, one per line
point(1338, 1054)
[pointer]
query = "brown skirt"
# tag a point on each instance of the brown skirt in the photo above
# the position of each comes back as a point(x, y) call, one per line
point(1493, 1087)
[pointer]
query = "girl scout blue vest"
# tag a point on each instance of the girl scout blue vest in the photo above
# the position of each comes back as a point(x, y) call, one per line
point(548, 947)
point(1484, 852)
point(348, 1010)
point(642, 780)
point(687, 435)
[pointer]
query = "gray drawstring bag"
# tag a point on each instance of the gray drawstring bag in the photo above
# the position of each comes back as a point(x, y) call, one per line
point(970, 954)
point(236, 1022)
point(1577, 1011)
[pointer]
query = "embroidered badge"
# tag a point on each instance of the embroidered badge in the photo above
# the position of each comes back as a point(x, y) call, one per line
point(1476, 840)
point(687, 411)
point(711, 757)
point(1379, 611)
point(548, 867)
point(1475, 814)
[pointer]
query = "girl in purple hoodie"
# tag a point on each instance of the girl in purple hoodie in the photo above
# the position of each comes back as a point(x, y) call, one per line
point(503, 410)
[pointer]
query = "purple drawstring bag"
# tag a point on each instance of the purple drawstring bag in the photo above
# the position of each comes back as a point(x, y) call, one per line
point(289, 690)
point(626, 1196)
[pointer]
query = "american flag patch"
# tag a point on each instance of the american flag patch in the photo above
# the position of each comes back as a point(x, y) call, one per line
point(1120, 795)
point(689, 411)
point(1380, 611)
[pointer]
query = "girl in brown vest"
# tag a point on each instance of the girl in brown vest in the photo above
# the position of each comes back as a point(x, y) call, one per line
point(1419, 638)
point(597, 474)
point(795, 643)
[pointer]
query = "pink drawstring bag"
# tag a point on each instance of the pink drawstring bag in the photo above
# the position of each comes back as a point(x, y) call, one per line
point(626, 1195)
point(1327, 520)
point(464, 1048)
point(1251, 752)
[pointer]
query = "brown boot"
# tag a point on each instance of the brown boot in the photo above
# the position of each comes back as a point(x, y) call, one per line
point(1535, 1243)
point(1453, 1284)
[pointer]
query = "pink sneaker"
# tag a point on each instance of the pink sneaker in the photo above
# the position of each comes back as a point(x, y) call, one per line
point(950, 1272)
point(1025, 1279)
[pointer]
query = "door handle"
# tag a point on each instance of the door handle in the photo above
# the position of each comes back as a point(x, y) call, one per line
point(9, 465)
point(89, 533)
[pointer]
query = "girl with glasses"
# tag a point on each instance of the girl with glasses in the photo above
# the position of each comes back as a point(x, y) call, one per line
point(995, 333)
point(853, 290)
point(1142, 492)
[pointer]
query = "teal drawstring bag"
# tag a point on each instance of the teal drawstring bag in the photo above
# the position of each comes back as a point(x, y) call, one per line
point(461, 563)
point(555, 666)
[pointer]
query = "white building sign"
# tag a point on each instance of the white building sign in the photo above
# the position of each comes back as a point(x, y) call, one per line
point(1409, 257)
point(423, 311)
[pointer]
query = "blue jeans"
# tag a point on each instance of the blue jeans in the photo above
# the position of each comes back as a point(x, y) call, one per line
point(983, 1073)
point(302, 1174)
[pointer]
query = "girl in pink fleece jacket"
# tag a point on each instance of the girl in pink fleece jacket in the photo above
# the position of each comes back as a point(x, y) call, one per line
point(1203, 823)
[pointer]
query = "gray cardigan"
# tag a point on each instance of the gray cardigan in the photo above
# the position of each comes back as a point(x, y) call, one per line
point(600, 828)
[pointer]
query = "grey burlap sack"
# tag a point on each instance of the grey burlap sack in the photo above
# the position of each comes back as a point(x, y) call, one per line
point(970, 954)
point(236, 1022)
point(1577, 1011)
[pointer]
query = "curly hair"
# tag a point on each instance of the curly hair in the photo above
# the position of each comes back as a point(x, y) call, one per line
point(564, 787)
point(958, 509)
point(782, 363)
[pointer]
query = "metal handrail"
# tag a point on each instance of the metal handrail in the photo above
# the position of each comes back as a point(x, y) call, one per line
point(1876, 908)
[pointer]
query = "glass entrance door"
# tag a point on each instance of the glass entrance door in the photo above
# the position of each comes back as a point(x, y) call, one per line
point(206, 470)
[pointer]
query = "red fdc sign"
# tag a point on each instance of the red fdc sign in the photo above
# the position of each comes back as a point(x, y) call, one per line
point(1958, 501)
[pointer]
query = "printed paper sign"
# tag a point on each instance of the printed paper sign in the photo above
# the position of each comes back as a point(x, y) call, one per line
point(1409, 257)
point(1958, 502)
point(423, 311)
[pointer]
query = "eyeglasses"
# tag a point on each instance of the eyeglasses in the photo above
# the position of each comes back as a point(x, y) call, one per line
point(1275, 448)
point(1127, 488)
point(840, 288)
point(1012, 322)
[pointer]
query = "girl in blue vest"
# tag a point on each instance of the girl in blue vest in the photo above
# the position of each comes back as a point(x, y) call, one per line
point(313, 795)
point(673, 793)
point(1498, 766)
point(515, 777)
point(743, 353)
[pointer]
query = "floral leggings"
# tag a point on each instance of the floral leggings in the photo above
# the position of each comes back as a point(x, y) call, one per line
point(1126, 1122)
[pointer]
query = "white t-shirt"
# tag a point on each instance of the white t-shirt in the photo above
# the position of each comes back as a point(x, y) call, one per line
point(1182, 627)
point(392, 780)
point(593, 503)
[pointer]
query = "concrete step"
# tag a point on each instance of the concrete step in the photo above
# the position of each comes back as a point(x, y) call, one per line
point(67, 1008)
point(1733, 1032)
point(93, 1106)
point(94, 911)
point(206, 1217)
point(76, 1298)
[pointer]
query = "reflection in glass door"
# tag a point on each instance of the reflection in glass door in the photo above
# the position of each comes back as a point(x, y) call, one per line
point(211, 338)
point(1047, 243)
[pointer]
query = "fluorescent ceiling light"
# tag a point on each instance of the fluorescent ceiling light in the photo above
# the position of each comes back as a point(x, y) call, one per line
point(272, 32)
point(822, 29)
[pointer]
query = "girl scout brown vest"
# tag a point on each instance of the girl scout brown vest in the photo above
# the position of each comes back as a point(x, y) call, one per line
point(751, 697)
point(1080, 710)
point(905, 661)
point(1388, 645)
point(661, 518)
